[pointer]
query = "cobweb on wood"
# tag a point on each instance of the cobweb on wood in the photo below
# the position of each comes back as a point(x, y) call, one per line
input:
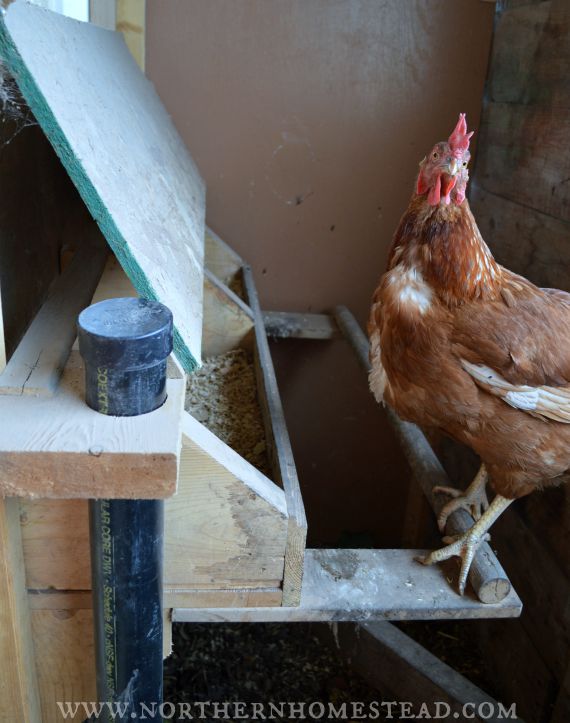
point(15, 114)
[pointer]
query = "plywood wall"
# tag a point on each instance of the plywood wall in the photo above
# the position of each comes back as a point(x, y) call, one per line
point(307, 119)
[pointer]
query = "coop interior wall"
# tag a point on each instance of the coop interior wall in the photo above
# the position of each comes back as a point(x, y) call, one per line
point(307, 121)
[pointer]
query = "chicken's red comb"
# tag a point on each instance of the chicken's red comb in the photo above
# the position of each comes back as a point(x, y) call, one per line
point(459, 139)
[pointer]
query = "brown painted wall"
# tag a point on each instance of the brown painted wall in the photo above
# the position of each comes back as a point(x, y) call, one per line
point(307, 119)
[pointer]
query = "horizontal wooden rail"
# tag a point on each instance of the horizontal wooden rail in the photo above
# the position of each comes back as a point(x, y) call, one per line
point(486, 575)
point(291, 325)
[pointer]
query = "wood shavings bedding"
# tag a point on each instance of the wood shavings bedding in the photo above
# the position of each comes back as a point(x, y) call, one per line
point(222, 395)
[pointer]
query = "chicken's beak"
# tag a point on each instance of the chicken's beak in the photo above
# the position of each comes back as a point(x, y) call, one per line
point(453, 167)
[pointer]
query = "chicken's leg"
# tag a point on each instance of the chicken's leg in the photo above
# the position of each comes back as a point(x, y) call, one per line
point(473, 499)
point(465, 546)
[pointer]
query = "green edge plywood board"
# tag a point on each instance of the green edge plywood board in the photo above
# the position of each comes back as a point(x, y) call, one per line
point(119, 146)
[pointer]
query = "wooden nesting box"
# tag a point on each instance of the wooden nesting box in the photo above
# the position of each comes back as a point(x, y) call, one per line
point(235, 537)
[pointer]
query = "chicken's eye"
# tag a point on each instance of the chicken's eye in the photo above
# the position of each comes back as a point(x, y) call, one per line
point(435, 155)
point(464, 164)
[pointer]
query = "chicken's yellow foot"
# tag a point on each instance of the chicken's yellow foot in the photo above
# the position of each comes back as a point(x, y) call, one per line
point(465, 546)
point(473, 499)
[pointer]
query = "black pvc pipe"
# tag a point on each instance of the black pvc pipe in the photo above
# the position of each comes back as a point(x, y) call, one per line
point(125, 344)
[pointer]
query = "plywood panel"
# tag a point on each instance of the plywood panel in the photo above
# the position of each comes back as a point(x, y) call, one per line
point(123, 153)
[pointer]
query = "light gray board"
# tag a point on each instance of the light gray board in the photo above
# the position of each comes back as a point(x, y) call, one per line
point(123, 153)
point(364, 585)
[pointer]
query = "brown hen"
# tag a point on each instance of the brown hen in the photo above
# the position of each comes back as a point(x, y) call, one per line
point(462, 344)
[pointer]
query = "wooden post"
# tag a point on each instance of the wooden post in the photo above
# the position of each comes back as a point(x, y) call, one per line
point(19, 698)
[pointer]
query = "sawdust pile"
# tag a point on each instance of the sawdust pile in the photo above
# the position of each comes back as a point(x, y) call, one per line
point(222, 395)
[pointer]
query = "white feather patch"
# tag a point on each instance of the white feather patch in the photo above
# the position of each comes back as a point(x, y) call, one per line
point(544, 401)
point(412, 289)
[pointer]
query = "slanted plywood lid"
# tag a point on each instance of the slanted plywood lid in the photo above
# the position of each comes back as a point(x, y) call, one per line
point(122, 151)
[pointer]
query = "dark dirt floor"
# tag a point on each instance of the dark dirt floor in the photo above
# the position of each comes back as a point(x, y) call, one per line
point(259, 663)
point(288, 663)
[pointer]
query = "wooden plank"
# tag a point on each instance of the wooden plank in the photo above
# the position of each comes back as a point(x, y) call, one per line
point(166, 632)
point(108, 148)
point(103, 13)
point(114, 283)
point(52, 599)
point(280, 450)
point(365, 585)
point(130, 21)
point(65, 660)
point(486, 574)
point(228, 522)
point(524, 153)
point(228, 321)
point(58, 447)
point(561, 712)
point(38, 362)
point(397, 665)
point(517, 39)
point(543, 587)
point(228, 598)
point(219, 258)
point(290, 325)
point(19, 699)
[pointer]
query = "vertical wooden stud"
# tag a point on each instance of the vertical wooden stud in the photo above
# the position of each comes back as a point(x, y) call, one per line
point(19, 698)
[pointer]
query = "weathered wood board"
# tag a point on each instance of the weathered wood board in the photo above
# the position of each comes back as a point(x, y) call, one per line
point(525, 127)
point(361, 585)
point(123, 153)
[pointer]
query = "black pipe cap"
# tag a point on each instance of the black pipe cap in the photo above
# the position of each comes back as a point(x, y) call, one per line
point(125, 333)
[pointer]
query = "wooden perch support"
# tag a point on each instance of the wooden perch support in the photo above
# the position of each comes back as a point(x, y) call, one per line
point(486, 575)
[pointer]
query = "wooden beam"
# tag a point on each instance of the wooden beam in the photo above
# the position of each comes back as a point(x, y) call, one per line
point(289, 325)
point(219, 258)
point(19, 699)
point(228, 321)
point(38, 362)
point(365, 585)
point(280, 450)
point(486, 575)
point(392, 662)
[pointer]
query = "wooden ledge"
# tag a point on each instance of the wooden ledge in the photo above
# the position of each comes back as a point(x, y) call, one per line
point(57, 447)
point(365, 585)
